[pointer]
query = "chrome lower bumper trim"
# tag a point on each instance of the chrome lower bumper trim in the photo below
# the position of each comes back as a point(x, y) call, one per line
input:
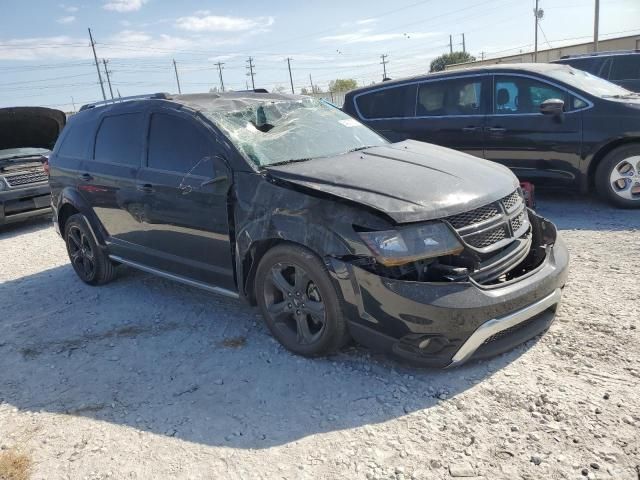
point(491, 327)
point(177, 278)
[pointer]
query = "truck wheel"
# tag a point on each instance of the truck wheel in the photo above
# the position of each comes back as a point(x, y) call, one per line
point(618, 177)
point(299, 302)
point(90, 263)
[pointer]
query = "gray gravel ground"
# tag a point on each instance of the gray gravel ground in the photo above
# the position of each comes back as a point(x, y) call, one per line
point(144, 378)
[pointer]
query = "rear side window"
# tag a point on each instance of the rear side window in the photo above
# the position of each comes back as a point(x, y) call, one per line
point(625, 67)
point(523, 95)
point(450, 97)
point(119, 139)
point(393, 102)
point(177, 145)
point(76, 142)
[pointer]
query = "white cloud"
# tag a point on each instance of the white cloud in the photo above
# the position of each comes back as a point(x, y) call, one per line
point(366, 21)
point(201, 21)
point(66, 20)
point(366, 36)
point(124, 5)
point(68, 8)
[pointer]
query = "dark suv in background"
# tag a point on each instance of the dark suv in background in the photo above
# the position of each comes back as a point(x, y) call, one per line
point(27, 134)
point(551, 124)
point(333, 231)
point(621, 67)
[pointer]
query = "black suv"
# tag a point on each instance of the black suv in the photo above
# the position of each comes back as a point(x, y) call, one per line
point(620, 67)
point(27, 134)
point(551, 124)
point(333, 231)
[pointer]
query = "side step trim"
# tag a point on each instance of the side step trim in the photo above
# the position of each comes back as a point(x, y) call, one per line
point(177, 278)
point(491, 327)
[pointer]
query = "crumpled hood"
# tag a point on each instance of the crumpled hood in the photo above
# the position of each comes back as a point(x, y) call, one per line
point(36, 127)
point(409, 181)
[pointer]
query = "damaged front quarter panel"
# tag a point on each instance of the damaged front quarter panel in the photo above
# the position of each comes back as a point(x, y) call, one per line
point(268, 212)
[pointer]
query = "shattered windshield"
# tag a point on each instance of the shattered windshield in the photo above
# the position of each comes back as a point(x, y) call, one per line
point(279, 131)
point(589, 83)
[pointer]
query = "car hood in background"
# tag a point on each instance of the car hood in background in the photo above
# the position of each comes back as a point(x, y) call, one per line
point(36, 127)
point(409, 181)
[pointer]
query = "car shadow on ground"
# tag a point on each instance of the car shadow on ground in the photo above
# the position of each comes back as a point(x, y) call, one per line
point(153, 355)
point(571, 211)
point(19, 228)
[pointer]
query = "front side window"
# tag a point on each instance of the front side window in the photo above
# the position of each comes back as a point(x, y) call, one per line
point(392, 102)
point(522, 95)
point(625, 67)
point(177, 145)
point(269, 132)
point(119, 139)
point(450, 97)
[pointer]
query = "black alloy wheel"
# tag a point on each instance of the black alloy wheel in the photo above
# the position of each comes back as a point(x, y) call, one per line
point(299, 302)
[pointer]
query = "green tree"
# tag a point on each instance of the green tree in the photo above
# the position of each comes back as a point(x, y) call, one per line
point(439, 64)
point(342, 85)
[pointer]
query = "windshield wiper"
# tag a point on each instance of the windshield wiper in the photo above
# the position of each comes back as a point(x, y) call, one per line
point(286, 162)
point(357, 149)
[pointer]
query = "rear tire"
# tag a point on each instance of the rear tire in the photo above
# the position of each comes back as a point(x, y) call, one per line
point(89, 261)
point(299, 302)
point(617, 177)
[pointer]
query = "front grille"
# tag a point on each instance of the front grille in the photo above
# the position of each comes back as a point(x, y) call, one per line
point(518, 221)
point(474, 216)
point(510, 201)
point(489, 227)
point(26, 178)
point(487, 238)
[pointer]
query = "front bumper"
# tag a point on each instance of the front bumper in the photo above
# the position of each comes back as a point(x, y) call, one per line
point(22, 203)
point(447, 324)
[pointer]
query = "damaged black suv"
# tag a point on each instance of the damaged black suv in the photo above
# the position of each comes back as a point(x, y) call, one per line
point(331, 230)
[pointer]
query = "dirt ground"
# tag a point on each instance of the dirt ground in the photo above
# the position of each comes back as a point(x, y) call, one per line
point(144, 378)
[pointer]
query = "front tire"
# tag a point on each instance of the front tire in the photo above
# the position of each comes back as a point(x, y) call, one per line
point(299, 302)
point(618, 177)
point(90, 263)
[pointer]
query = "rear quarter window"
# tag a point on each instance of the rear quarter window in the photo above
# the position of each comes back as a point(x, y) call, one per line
point(76, 138)
point(391, 102)
point(119, 139)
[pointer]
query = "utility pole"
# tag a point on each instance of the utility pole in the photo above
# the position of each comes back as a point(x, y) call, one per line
point(464, 45)
point(290, 76)
point(74, 104)
point(106, 72)
point(384, 66)
point(482, 55)
point(311, 82)
point(535, 51)
point(251, 73)
point(95, 57)
point(450, 43)
point(175, 68)
point(596, 22)
point(219, 65)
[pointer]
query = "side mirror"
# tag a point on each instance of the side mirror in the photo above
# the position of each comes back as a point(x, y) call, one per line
point(553, 106)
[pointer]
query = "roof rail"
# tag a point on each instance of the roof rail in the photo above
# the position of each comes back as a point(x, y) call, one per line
point(147, 96)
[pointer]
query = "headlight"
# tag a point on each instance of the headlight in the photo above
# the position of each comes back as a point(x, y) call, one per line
point(411, 243)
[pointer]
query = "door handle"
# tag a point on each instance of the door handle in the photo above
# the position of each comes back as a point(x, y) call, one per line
point(85, 177)
point(496, 129)
point(145, 188)
point(470, 129)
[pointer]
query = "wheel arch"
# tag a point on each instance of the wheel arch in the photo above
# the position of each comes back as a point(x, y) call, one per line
point(602, 152)
point(71, 202)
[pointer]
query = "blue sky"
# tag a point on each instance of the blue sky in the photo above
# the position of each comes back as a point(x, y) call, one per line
point(45, 57)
